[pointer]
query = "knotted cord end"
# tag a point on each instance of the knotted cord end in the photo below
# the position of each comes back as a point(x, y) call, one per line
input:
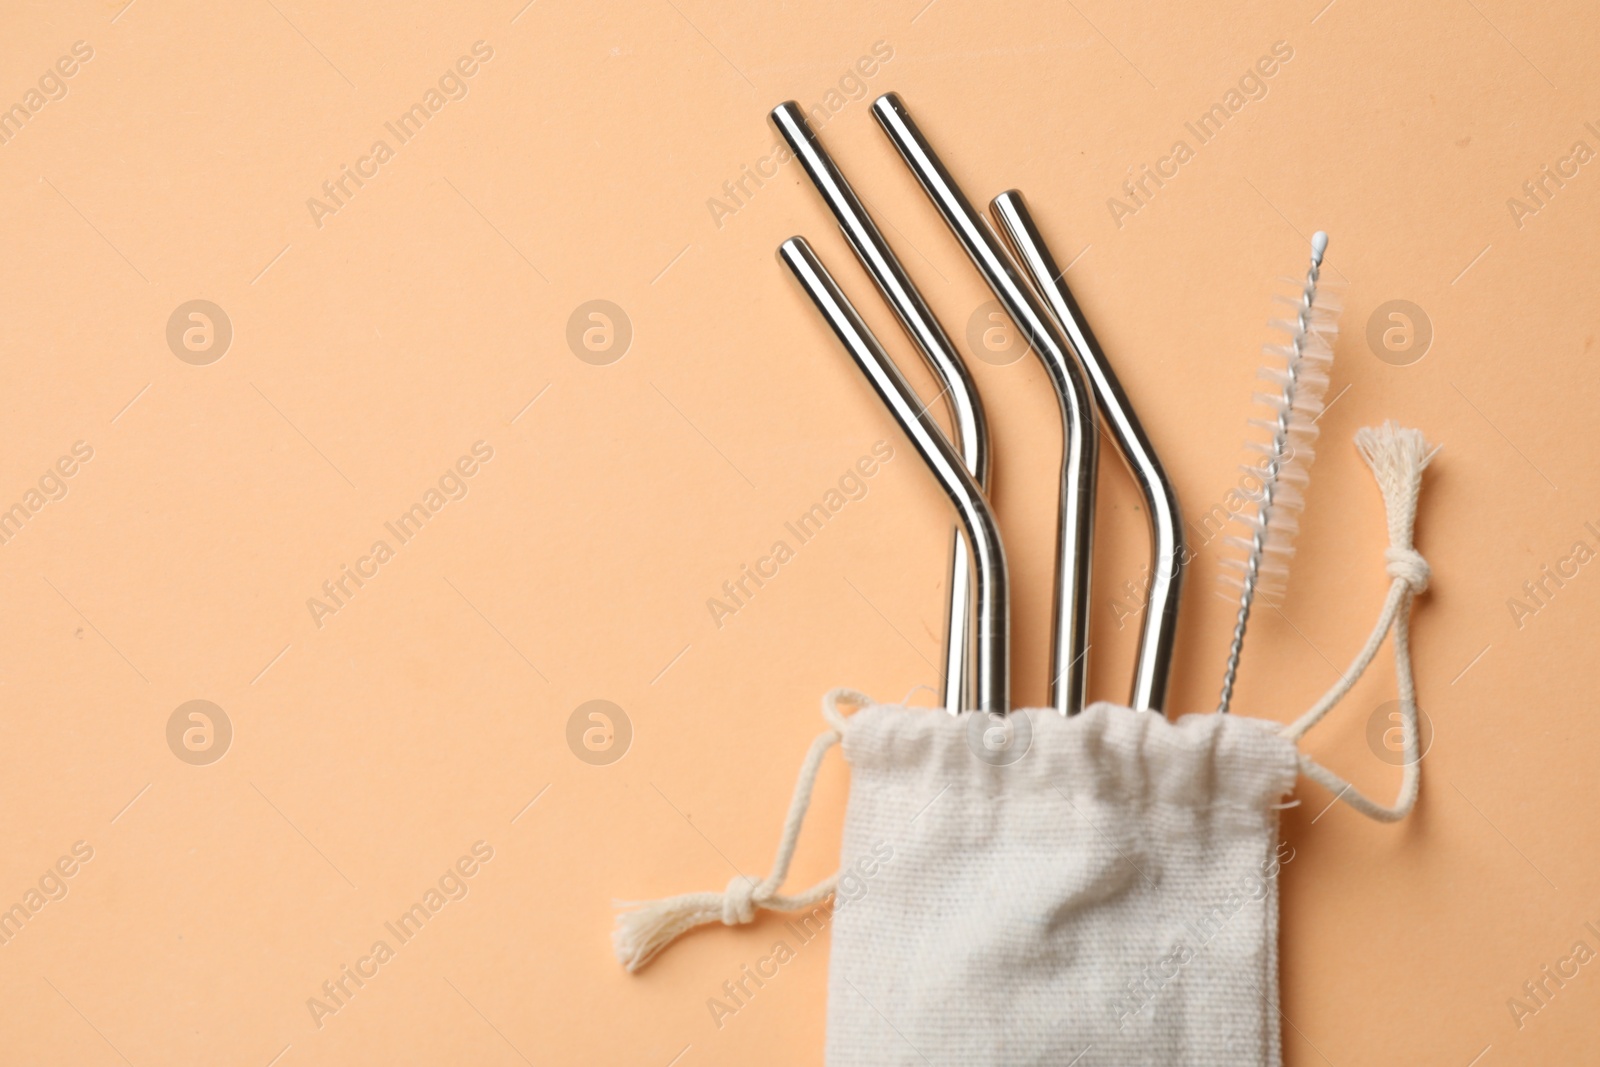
point(1397, 456)
point(644, 928)
point(1407, 565)
point(739, 901)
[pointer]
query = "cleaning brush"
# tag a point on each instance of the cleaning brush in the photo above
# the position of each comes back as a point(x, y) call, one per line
point(1298, 374)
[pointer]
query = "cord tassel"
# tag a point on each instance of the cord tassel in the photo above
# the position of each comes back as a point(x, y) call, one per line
point(644, 928)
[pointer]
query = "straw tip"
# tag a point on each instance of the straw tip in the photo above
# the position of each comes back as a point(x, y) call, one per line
point(794, 252)
point(1319, 245)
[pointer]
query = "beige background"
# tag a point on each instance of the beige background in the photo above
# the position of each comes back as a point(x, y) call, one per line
point(371, 351)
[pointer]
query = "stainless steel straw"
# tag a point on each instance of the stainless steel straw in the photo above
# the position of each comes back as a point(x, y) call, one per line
point(969, 431)
point(1075, 525)
point(992, 667)
point(1167, 555)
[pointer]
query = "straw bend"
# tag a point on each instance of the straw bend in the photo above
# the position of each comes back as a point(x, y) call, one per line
point(1075, 524)
point(1167, 554)
point(992, 661)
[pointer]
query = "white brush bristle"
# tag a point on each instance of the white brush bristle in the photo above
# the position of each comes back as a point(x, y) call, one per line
point(1308, 369)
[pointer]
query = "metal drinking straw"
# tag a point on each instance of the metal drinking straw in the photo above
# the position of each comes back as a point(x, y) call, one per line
point(992, 630)
point(1075, 524)
point(1167, 554)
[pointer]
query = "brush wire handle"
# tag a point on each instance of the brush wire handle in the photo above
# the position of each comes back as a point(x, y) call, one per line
point(1290, 406)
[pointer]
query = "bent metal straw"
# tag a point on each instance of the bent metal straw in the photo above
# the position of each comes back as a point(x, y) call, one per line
point(993, 664)
point(1167, 557)
point(969, 430)
point(1075, 513)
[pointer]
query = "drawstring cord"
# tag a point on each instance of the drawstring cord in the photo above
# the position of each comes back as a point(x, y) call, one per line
point(1397, 457)
point(647, 927)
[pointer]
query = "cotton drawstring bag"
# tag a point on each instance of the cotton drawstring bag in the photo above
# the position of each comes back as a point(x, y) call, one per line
point(1045, 890)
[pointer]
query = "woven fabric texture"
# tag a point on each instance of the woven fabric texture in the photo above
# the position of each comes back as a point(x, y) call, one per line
point(1111, 895)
